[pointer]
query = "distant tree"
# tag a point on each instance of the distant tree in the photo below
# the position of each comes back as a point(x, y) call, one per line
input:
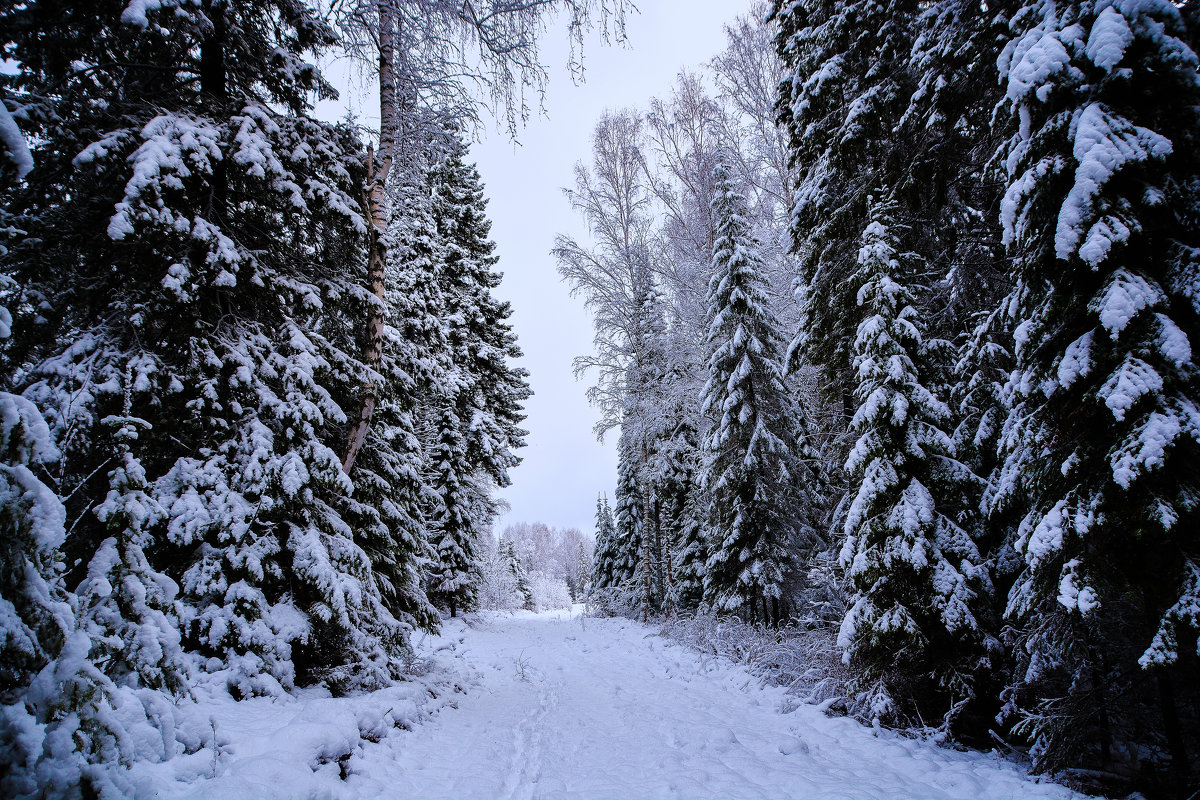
point(509, 553)
point(581, 573)
point(497, 583)
point(604, 562)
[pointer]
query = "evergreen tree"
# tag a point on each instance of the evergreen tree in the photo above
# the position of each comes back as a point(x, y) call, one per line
point(482, 390)
point(763, 495)
point(188, 225)
point(604, 561)
point(490, 390)
point(678, 469)
point(394, 495)
point(845, 89)
point(521, 578)
point(34, 613)
point(582, 572)
point(646, 417)
point(1101, 445)
point(913, 570)
point(691, 551)
point(125, 606)
point(630, 517)
point(453, 577)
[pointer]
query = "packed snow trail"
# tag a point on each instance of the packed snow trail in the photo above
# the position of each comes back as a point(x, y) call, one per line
point(602, 708)
point(560, 706)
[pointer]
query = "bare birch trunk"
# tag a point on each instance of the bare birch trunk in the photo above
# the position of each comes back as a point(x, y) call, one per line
point(375, 200)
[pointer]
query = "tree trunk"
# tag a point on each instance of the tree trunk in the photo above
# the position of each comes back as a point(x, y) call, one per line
point(1175, 745)
point(375, 201)
point(667, 558)
point(214, 90)
point(647, 530)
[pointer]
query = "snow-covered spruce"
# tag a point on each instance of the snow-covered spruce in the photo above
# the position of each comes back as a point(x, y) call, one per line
point(1100, 216)
point(628, 577)
point(477, 429)
point(846, 85)
point(191, 351)
point(605, 557)
point(914, 573)
point(764, 498)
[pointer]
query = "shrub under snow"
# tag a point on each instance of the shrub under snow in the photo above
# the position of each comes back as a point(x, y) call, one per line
point(804, 660)
point(549, 592)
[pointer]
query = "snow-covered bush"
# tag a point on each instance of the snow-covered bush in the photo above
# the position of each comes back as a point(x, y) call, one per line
point(622, 600)
point(804, 660)
point(497, 584)
point(549, 592)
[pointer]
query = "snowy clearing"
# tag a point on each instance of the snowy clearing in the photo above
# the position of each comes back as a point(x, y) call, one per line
point(557, 705)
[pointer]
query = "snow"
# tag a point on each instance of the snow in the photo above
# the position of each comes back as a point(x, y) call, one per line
point(13, 142)
point(136, 13)
point(558, 705)
point(1104, 144)
point(1034, 60)
point(1128, 384)
point(1125, 294)
point(1108, 39)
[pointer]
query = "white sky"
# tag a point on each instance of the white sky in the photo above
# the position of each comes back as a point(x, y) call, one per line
point(564, 467)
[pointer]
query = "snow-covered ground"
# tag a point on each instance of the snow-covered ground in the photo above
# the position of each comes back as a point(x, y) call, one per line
point(556, 705)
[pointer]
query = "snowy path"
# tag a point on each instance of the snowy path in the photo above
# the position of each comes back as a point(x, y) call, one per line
point(600, 708)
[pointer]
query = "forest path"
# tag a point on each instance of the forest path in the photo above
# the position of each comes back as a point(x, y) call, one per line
point(572, 707)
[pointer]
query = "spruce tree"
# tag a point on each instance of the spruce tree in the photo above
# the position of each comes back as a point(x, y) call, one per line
point(582, 574)
point(630, 516)
point(394, 496)
point(516, 568)
point(691, 551)
point(1102, 442)
point(187, 230)
point(491, 389)
point(604, 560)
point(763, 495)
point(34, 612)
point(845, 88)
point(481, 391)
point(453, 573)
point(125, 605)
point(679, 470)
point(910, 627)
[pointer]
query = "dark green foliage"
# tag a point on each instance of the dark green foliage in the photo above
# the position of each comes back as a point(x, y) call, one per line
point(915, 575)
point(1102, 442)
point(763, 498)
point(185, 227)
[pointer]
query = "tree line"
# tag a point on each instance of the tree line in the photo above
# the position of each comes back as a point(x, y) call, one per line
point(895, 304)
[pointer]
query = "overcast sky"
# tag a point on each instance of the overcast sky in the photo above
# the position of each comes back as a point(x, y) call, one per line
point(564, 466)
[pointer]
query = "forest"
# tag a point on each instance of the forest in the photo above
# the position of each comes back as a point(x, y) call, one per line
point(894, 312)
point(894, 305)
